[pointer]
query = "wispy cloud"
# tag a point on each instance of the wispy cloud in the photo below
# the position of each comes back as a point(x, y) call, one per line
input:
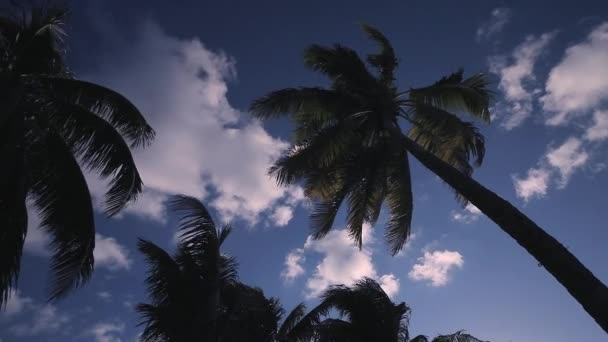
point(533, 185)
point(106, 331)
point(498, 20)
point(516, 72)
point(469, 214)
point(110, 254)
point(294, 265)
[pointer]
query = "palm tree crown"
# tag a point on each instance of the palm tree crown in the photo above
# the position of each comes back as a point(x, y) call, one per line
point(347, 139)
point(51, 127)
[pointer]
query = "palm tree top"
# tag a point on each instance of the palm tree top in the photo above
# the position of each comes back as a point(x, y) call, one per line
point(347, 140)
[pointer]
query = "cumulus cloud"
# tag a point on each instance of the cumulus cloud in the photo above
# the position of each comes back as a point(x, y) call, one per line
point(281, 215)
point(579, 82)
point(204, 147)
point(110, 254)
point(436, 267)
point(499, 18)
point(567, 158)
point(106, 332)
point(390, 284)
point(469, 214)
point(515, 73)
point(342, 263)
point(599, 129)
point(294, 268)
point(534, 185)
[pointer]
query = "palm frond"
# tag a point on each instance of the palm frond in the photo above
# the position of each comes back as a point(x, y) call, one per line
point(294, 100)
point(399, 200)
point(420, 338)
point(196, 225)
point(104, 102)
point(455, 93)
point(324, 213)
point(343, 66)
point(102, 149)
point(163, 277)
point(385, 61)
point(294, 317)
point(454, 141)
point(13, 212)
point(61, 195)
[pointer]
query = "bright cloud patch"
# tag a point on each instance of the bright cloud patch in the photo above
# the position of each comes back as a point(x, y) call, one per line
point(42, 319)
point(579, 83)
point(15, 305)
point(599, 129)
point(342, 263)
point(203, 147)
point(282, 215)
point(515, 73)
point(499, 18)
point(567, 158)
point(469, 214)
point(106, 332)
point(436, 267)
point(534, 185)
point(110, 254)
point(294, 265)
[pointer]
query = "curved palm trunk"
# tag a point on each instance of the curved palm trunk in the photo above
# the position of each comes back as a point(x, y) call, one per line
point(588, 290)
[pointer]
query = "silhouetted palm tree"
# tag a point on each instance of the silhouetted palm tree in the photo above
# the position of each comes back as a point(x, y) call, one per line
point(299, 326)
point(51, 124)
point(367, 314)
point(186, 290)
point(348, 145)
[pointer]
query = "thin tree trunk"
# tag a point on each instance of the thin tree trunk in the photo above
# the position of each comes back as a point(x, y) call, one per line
point(587, 289)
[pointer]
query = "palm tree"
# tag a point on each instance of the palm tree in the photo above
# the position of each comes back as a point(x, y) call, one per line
point(368, 314)
point(186, 290)
point(51, 126)
point(348, 144)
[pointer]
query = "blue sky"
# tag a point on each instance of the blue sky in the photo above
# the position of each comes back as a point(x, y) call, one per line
point(194, 68)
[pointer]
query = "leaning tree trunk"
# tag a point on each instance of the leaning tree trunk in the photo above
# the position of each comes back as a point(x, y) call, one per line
point(587, 289)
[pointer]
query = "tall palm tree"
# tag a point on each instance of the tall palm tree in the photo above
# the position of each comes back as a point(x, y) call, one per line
point(352, 141)
point(186, 290)
point(459, 336)
point(51, 126)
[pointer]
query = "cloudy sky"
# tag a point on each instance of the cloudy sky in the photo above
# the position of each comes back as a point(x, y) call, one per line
point(194, 68)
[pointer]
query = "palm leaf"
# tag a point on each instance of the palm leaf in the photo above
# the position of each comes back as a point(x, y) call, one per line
point(399, 200)
point(385, 61)
point(63, 200)
point(454, 92)
point(163, 278)
point(102, 149)
point(459, 336)
point(104, 102)
point(294, 100)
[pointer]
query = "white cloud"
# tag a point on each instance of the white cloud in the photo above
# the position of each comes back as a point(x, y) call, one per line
point(390, 284)
point(204, 147)
point(580, 81)
point(15, 305)
point(469, 214)
point(436, 267)
point(106, 332)
point(534, 185)
point(514, 76)
point(599, 130)
point(282, 215)
point(294, 265)
point(41, 320)
point(105, 295)
point(342, 262)
point(110, 254)
point(499, 18)
point(567, 158)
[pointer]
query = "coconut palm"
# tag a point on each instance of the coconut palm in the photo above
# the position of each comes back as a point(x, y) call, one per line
point(352, 142)
point(186, 290)
point(52, 126)
point(299, 326)
point(366, 314)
